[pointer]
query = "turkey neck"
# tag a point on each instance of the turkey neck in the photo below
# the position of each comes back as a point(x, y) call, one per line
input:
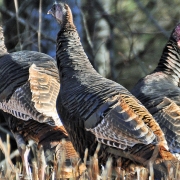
point(170, 61)
point(3, 49)
point(71, 57)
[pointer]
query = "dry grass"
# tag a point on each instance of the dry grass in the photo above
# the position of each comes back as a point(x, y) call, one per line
point(10, 171)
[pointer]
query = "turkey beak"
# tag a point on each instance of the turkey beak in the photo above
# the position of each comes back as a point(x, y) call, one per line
point(50, 12)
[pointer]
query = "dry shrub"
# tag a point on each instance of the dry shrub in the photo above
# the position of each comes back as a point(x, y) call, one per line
point(9, 171)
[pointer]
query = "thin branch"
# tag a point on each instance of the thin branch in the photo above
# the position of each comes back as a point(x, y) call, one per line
point(104, 14)
point(113, 23)
point(14, 153)
point(151, 18)
point(17, 22)
point(136, 57)
point(86, 30)
point(4, 149)
point(6, 131)
point(88, 37)
point(24, 22)
point(24, 5)
point(40, 24)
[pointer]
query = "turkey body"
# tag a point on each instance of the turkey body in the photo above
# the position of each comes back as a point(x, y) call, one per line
point(29, 85)
point(160, 93)
point(94, 109)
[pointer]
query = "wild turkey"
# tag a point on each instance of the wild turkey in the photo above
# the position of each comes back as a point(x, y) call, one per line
point(160, 92)
point(95, 109)
point(29, 85)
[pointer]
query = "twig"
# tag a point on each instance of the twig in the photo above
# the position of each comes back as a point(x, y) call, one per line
point(6, 131)
point(4, 149)
point(17, 23)
point(24, 22)
point(144, 69)
point(151, 18)
point(14, 154)
point(86, 30)
point(113, 23)
point(23, 5)
point(40, 23)
point(104, 14)
point(88, 37)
